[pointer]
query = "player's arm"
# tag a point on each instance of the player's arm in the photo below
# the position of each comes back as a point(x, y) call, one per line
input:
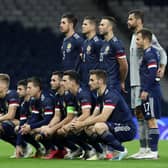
point(163, 56)
point(102, 117)
point(48, 106)
point(10, 115)
point(150, 77)
point(53, 123)
point(13, 104)
point(85, 114)
point(109, 103)
point(45, 121)
point(123, 65)
point(64, 122)
point(95, 113)
point(123, 68)
point(56, 119)
point(70, 115)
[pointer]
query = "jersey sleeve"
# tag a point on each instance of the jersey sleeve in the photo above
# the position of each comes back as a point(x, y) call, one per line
point(120, 51)
point(48, 107)
point(110, 101)
point(163, 55)
point(69, 103)
point(85, 100)
point(57, 104)
point(78, 41)
point(24, 112)
point(13, 99)
point(98, 45)
point(152, 68)
point(35, 113)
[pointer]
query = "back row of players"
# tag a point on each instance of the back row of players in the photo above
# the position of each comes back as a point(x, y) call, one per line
point(147, 65)
point(73, 116)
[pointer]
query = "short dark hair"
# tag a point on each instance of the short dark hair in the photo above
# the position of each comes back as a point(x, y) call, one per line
point(92, 19)
point(139, 14)
point(73, 75)
point(36, 81)
point(22, 82)
point(146, 33)
point(58, 73)
point(111, 19)
point(71, 18)
point(100, 74)
point(5, 78)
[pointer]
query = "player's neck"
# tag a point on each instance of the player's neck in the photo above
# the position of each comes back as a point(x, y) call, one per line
point(74, 89)
point(102, 89)
point(4, 93)
point(38, 95)
point(138, 28)
point(109, 36)
point(69, 33)
point(61, 90)
point(90, 35)
point(26, 98)
point(146, 46)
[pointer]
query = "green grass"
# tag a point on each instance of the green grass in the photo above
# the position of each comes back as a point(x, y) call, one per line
point(6, 150)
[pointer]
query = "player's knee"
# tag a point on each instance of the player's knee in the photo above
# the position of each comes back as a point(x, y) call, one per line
point(61, 132)
point(89, 130)
point(100, 128)
point(152, 123)
point(1, 129)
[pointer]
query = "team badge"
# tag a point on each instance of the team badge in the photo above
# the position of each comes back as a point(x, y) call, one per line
point(42, 97)
point(69, 45)
point(107, 49)
point(88, 49)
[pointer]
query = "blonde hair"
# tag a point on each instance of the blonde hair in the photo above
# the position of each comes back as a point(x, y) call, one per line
point(5, 78)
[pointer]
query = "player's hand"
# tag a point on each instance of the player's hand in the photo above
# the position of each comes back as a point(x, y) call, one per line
point(25, 129)
point(66, 128)
point(70, 125)
point(62, 131)
point(161, 71)
point(77, 124)
point(1, 114)
point(48, 132)
point(144, 95)
point(123, 87)
point(44, 128)
point(19, 152)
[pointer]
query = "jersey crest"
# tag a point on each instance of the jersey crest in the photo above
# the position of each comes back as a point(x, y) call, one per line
point(107, 49)
point(88, 49)
point(69, 46)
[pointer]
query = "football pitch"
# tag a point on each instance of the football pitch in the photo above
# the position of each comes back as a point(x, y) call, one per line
point(6, 150)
